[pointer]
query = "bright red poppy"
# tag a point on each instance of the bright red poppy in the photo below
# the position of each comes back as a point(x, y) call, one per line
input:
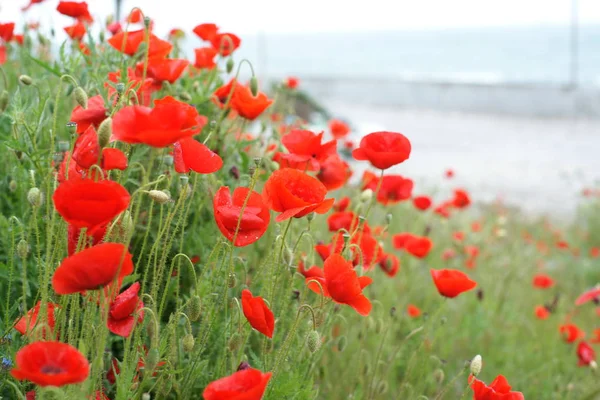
point(499, 389)
point(571, 333)
point(338, 129)
point(93, 115)
point(50, 364)
point(129, 43)
point(75, 9)
point(586, 354)
point(7, 31)
point(295, 194)
point(312, 272)
point(191, 155)
point(390, 264)
point(392, 189)
point(343, 220)
point(92, 268)
point(383, 149)
point(205, 58)
point(592, 294)
point(2, 54)
point(413, 311)
point(225, 93)
point(399, 240)
point(168, 122)
point(418, 246)
point(342, 204)
point(121, 320)
point(27, 323)
point(422, 202)
point(258, 314)
point(247, 384)
point(163, 69)
point(73, 234)
point(206, 31)
point(87, 152)
point(595, 252)
point(135, 16)
point(450, 282)
point(342, 284)
point(76, 31)
point(306, 152)
point(85, 203)
point(225, 43)
point(542, 281)
point(541, 312)
point(461, 199)
point(334, 172)
point(247, 105)
point(292, 82)
point(253, 223)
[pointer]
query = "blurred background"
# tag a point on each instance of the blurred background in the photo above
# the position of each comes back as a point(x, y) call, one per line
point(504, 93)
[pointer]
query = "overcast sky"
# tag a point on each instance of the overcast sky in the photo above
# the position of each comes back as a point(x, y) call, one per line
point(271, 16)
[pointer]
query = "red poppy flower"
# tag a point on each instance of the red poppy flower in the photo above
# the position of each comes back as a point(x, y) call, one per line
point(312, 272)
point(399, 240)
point(73, 234)
point(225, 92)
point(247, 105)
point(450, 283)
point(50, 364)
point(227, 210)
point(225, 43)
point(571, 333)
point(143, 88)
point(306, 151)
point(2, 54)
point(449, 173)
point(114, 28)
point(393, 188)
point(27, 7)
point(87, 204)
point(135, 16)
point(383, 149)
point(206, 31)
point(342, 204)
point(342, 284)
point(542, 281)
point(113, 159)
point(422, 202)
point(592, 294)
point(413, 311)
point(168, 122)
point(76, 31)
point(247, 384)
point(93, 115)
point(176, 33)
point(499, 389)
point(87, 152)
point(418, 246)
point(92, 268)
point(541, 312)
point(586, 354)
point(390, 264)
point(448, 254)
point(292, 82)
point(129, 43)
point(461, 199)
point(295, 194)
point(205, 58)
point(189, 154)
point(258, 314)
point(27, 323)
point(338, 128)
point(75, 9)
point(334, 172)
point(7, 31)
point(120, 319)
point(163, 69)
point(343, 220)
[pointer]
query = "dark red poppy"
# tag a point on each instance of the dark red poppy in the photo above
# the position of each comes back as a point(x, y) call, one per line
point(50, 364)
point(292, 82)
point(227, 210)
point(168, 122)
point(75, 9)
point(258, 314)
point(189, 154)
point(418, 246)
point(247, 105)
point(450, 282)
point(338, 129)
point(461, 199)
point(413, 311)
point(295, 194)
point(76, 31)
point(85, 203)
point(129, 43)
point(27, 323)
point(342, 284)
point(542, 281)
point(163, 69)
point(247, 384)
point(499, 389)
point(93, 115)
point(383, 149)
point(312, 272)
point(334, 172)
point(225, 43)
point(306, 151)
point(422, 202)
point(571, 333)
point(92, 268)
point(586, 354)
point(73, 233)
point(592, 294)
point(205, 58)
point(7, 31)
point(121, 320)
point(206, 31)
point(390, 264)
point(541, 312)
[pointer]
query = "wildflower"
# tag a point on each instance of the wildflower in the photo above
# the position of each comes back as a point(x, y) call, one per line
point(205, 58)
point(246, 384)
point(93, 115)
point(571, 333)
point(338, 129)
point(225, 43)
point(120, 319)
point(542, 281)
point(592, 294)
point(461, 199)
point(189, 154)
point(129, 43)
point(27, 323)
point(541, 312)
point(390, 264)
point(206, 31)
point(383, 149)
point(306, 152)
point(418, 246)
point(292, 82)
point(392, 189)
point(413, 311)
point(312, 272)
point(258, 314)
point(78, 10)
point(163, 69)
point(450, 283)
point(76, 31)
point(334, 172)
point(247, 105)
point(586, 355)
point(498, 389)
point(422, 203)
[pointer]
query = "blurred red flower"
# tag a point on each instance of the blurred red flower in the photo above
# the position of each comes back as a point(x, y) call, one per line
point(542, 281)
point(418, 246)
point(76, 31)
point(499, 389)
point(541, 312)
point(129, 43)
point(205, 58)
point(93, 115)
point(247, 105)
point(206, 31)
point(390, 264)
point(422, 202)
point(334, 172)
point(383, 149)
point(258, 314)
point(225, 43)
point(27, 323)
point(338, 129)
point(75, 9)
point(413, 311)
point(586, 354)
point(450, 283)
point(571, 333)
point(306, 152)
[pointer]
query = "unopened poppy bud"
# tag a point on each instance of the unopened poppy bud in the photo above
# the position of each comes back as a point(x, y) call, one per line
point(234, 342)
point(313, 341)
point(475, 366)
point(63, 146)
point(23, 248)
point(159, 196)
point(185, 96)
point(34, 197)
point(382, 387)
point(593, 365)
point(231, 281)
point(12, 186)
point(439, 376)
point(81, 97)
point(120, 88)
point(254, 86)
point(342, 343)
point(127, 226)
point(102, 36)
point(25, 80)
point(3, 101)
point(310, 216)
point(188, 343)
point(105, 132)
point(388, 218)
point(243, 365)
point(366, 195)
point(257, 161)
point(152, 360)
point(346, 237)
point(229, 66)
point(194, 308)
point(146, 396)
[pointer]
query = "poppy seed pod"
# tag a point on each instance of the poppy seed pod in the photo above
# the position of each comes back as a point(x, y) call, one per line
point(313, 341)
point(3, 101)
point(254, 86)
point(34, 197)
point(188, 343)
point(25, 80)
point(23, 248)
point(159, 196)
point(81, 97)
point(105, 132)
point(475, 365)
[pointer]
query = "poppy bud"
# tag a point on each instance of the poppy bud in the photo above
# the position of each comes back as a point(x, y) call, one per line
point(439, 376)
point(120, 88)
point(105, 132)
point(147, 22)
point(63, 146)
point(194, 308)
point(185, 96)
point(3, 101)
point(313, 341)
point(12, 186)
point(81, 97)
point(146, 396)
point(231, 281)
point(229, 66)
point(254, 86)
point(23, 248)
point(476, 365)
point(188, 343)
point(388, 218)
point(379, 325)
point(101, 36)
point(159, 196)
point(243, 365)
point(127, 225)
point(382, 388)
point(25, 80)
point(34, 197)
point(342, 343)
point(366, 195)
point(234, 342)
point(152, 360)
